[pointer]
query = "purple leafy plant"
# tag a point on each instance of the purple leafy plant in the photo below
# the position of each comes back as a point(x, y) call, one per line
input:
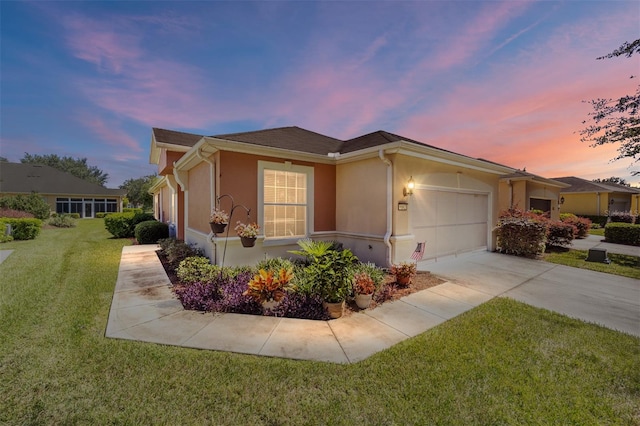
point(297, 305)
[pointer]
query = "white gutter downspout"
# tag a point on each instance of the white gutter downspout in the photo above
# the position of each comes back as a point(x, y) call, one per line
point(212, 198)
point(387, 235)
point(212, 171)
point(598, 202)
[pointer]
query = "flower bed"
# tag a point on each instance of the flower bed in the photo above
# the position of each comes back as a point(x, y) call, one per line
point(209, 288)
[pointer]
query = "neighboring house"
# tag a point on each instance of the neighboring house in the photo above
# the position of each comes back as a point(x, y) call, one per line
point(584, 197)
point(301, 184)
point(63, 192)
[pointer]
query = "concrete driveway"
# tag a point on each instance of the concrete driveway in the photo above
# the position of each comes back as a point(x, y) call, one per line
point(608, 300)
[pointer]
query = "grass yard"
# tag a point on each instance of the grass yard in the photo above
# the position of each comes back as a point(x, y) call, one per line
point(599, 232)
point(501, 363)
point(624, 265)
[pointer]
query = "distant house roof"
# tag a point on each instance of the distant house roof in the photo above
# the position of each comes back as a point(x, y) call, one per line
point(19, 178)
point(523, 175)
point(577, 184)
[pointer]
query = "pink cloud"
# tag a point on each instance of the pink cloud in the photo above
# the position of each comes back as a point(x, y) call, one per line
point(112, 135)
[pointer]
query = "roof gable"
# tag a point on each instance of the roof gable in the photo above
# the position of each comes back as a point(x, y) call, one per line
point(24, 178)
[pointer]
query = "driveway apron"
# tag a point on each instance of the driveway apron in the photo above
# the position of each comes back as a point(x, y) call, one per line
point(608, 300)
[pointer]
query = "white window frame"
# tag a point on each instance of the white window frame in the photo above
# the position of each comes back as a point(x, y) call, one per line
point(286, 167)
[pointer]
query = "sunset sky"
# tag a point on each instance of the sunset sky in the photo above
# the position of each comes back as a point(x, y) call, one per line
point(503, 81)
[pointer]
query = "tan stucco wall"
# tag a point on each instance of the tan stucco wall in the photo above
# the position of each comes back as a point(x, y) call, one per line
point(585, 204)
point(165, 198)
point(199, 197)
point(361, 191)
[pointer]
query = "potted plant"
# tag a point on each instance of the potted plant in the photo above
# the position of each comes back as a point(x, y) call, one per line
point(363, 289)
point(404, 271)
point(247, 233)
point(269, 288)
point(218, 221)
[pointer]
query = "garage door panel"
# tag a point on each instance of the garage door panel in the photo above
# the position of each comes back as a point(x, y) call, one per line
point(450, 222)
point(446, 208)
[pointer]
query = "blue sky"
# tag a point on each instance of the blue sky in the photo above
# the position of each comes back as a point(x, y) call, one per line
point(502, 81)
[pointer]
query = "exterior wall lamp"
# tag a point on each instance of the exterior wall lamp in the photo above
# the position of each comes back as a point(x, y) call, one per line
point(561, 201)
point(408, 190)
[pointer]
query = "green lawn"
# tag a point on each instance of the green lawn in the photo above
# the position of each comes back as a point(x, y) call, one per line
point(501, 363)
point(599, 232)
point(624, 265)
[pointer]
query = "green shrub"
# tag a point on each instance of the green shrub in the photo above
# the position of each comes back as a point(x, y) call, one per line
point(22, 229)
point(100, 215)
point(62, 221)
point(150, 231)
point(197, 269)
point(122, 225)
point(622, 233)
point(119, 224)
point(564, 217)
point(274, 264)
point(74, 215)
point(132, 210)
point(32, 203)
point(5, 238)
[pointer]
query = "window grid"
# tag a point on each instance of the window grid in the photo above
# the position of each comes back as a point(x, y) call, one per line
point(285, 204)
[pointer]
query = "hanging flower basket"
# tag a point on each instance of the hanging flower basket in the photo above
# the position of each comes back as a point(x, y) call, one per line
point(217, 228)
point(248, 241)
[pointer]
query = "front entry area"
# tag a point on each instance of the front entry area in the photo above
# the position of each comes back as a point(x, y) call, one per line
point(451, 222)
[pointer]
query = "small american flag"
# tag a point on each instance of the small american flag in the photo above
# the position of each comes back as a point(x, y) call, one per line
point(418, 252)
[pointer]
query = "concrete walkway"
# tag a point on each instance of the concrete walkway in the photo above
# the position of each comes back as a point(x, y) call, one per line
point(595, 241)
point(145, 309)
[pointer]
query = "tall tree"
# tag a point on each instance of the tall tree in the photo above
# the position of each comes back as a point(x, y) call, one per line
point(616, 121)
point(75, 166)
point(138, 191)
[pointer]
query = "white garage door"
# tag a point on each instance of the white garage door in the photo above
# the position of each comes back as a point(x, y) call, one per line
point(450, 222)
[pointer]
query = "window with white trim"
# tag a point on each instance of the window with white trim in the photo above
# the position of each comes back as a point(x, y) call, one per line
point(285, 194)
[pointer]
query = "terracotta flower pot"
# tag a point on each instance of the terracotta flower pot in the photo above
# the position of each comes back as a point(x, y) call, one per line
point(217, 228)
point(363, 300)
point(334, 309)
point(403, 280)
point(248, 241)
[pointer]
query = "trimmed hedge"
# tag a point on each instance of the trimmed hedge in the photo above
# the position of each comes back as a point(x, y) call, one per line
point(521, 236)
point(32, 203)
point(582, 224)
point(122, 225)
point(132, 210)
point(150, 231)
point(22, 229)
point(560, 234)
point(599, 220)
point(622, 233)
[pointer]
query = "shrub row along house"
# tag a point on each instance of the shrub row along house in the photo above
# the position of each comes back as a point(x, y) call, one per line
point(379, 194)
point(63, 192)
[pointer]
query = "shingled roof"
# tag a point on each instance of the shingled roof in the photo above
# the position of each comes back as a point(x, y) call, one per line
point(20, 178)
point(583, 185)
point(291, 138)
point(175, 138)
